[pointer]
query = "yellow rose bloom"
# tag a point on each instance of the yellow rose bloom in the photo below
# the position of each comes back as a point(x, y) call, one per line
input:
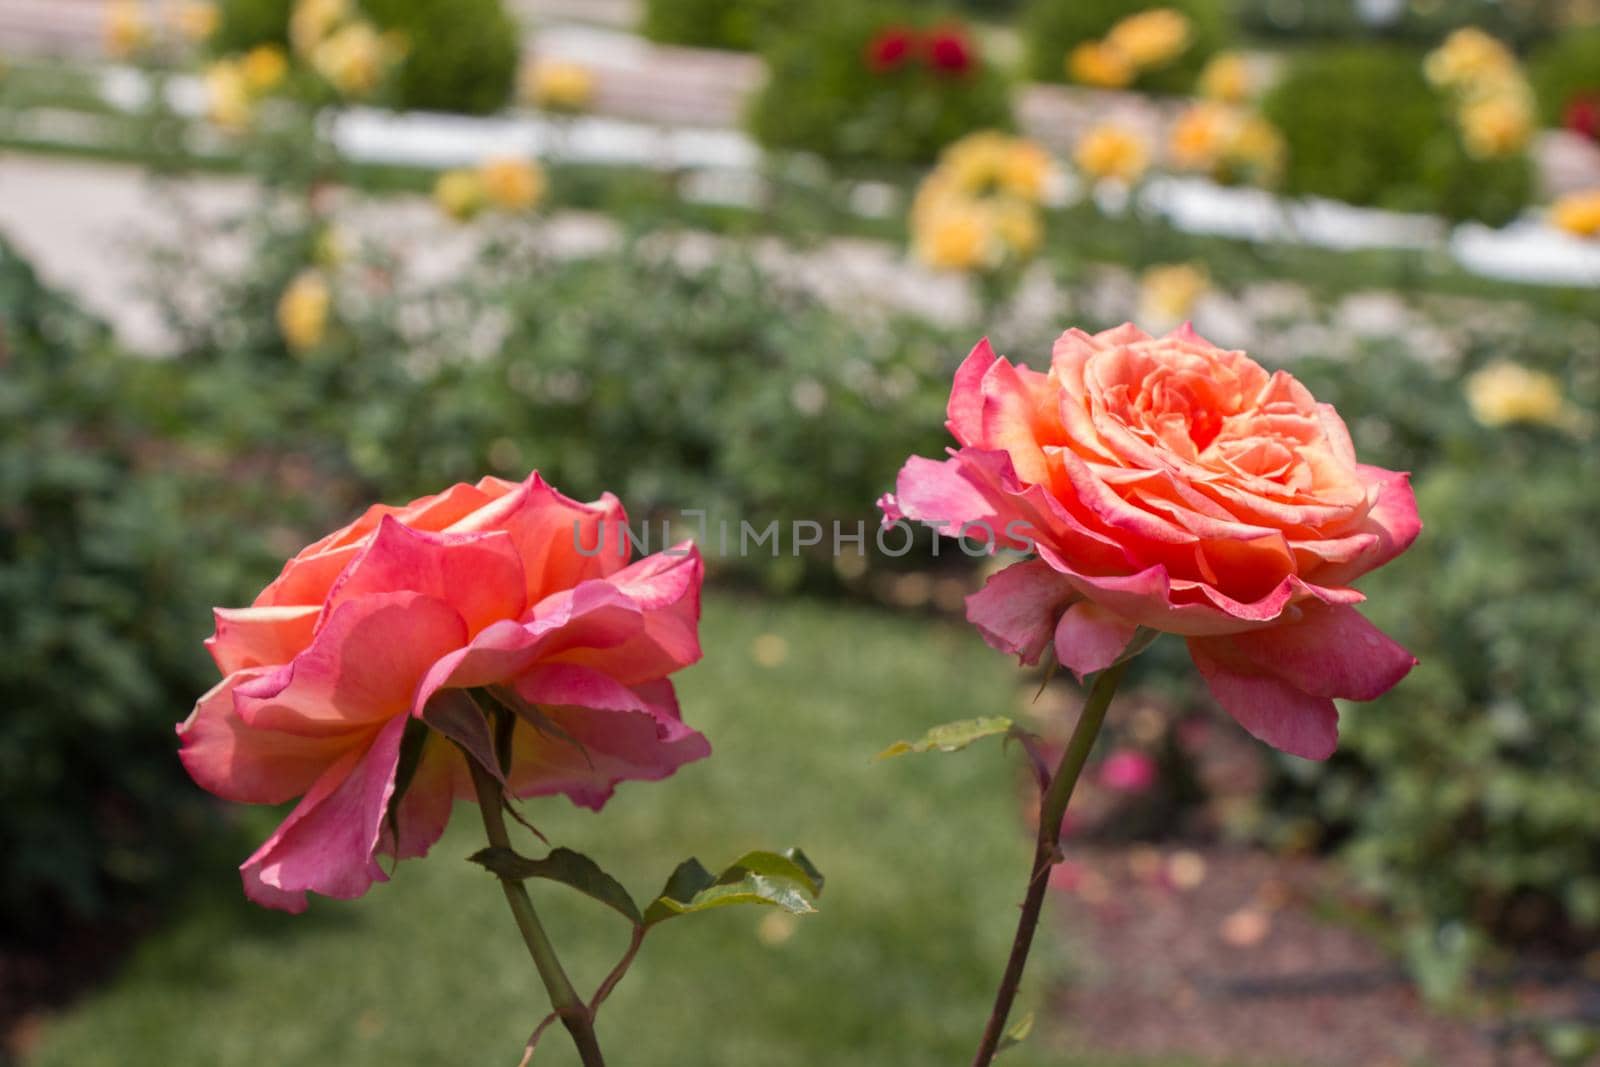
point(265, 67)
point(1578, 213)
point(1498, 124)
point(1169, 292)
point(1200, 136)
point(459, 194)
point(352, 59)
point(126, 30)
point(988, 161)
point(303, 311)
point(512, 184)
point(1226, 78)
point(1504, 392)
point(1151, 38)
point(1100, 65)
point(1111, 152)
point(957, 238)
point(1468, 56)
point(195, 20)
point(313, 20)
point(1016, 224)
point(554, 85)
point(228, 101)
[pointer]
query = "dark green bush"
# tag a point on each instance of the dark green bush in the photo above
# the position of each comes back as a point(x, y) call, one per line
point(1363, 126)
point(1467, 794)
point(734, 24)
point(1054, 27)
point(462, 55)
point(112, 551)
point(247, 23)
point(1566, 69)
point(822, 94)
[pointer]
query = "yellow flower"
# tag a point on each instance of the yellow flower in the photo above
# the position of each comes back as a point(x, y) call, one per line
point(1578, 213)
point(1200, 136)
point(303, 311)
point(1226, 78)
point(264, 68)
point(1108, 151)
point(126, 29)
point(352, 59)
point(512, 184)
point(1256, 153)
point(1169, 292)
point(195, 20)
point(1097, 63)
point(1503, 393)
point(557, 86)
point(313, 20)
point(1467, 57)
point(228, 95)
point(459, 194)
point(1016, 224)
point(1151, 38)
point(956, 239)
point(988, 161)
point(1497, 124)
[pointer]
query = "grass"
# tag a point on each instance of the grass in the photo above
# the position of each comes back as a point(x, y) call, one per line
point(924, 858)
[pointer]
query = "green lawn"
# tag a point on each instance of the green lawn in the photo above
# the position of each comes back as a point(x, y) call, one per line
point(924, 858)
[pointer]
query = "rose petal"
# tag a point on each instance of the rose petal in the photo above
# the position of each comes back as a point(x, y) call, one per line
point(1089, 639)
point(261, 637)
point(1016, 610)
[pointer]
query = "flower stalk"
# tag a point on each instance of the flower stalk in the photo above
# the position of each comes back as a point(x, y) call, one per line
point(1047, 851)
point(569, 1007)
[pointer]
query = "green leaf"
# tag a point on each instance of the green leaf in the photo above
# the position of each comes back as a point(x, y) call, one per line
point(1016, 1033)
point(787, 880)
point(951, 737)
point(455, 714)
point(563, 865)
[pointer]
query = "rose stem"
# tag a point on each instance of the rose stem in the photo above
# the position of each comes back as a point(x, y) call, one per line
point(569, 1007)
point(1047, 852)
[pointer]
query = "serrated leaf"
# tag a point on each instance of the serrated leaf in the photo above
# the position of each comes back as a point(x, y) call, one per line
point(456, 715)
point(951, 737)
point(787, 880)
point(572, 869)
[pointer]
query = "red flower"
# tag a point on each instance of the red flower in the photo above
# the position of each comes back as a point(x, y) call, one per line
point(1583, 116)
point(950, 51)
point(891, 48)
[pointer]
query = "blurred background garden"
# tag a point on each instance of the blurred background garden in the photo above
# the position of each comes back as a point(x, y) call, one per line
point(262, 261)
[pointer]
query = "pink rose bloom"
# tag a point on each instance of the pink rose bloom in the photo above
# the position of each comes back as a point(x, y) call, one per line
point(1128, 770)
point(489, 585)
point(1169, 484)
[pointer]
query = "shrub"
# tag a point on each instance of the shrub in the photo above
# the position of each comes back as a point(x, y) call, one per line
point(462, 56)
point(739, 25)
point(837, 86)
point(1565, 71)
point(111, 555)
point(1467, 793)
point(247, 23)
point(1363, 126)
point(1053, 28)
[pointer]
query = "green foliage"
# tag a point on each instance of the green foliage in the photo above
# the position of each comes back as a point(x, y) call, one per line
point(822, 94)
point(1468, 792)
point(733, 24)
point(1363, 126)
point(1566, 69)
point(951, 736)
point(113, 547)
point(247, 23)
point(1054, 27)
point(461, 56)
